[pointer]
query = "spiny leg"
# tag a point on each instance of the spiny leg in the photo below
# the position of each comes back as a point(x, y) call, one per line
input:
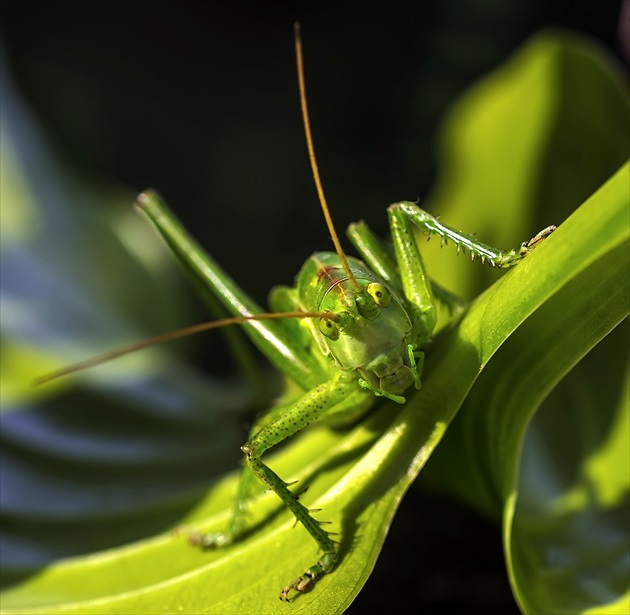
point(329, 557)
point(494, 256)
point(236, 528)
point(338, 395)
point(309, 408)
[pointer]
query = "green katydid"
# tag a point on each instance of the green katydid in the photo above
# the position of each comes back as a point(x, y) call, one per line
point(362, 329)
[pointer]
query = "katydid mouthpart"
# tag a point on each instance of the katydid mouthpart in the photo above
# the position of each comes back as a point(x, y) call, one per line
point(365, 326)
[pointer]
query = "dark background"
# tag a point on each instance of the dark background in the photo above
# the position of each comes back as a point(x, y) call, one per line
point(199, 99)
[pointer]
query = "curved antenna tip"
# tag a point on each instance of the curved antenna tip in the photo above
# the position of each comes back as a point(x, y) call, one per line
point(313, 161)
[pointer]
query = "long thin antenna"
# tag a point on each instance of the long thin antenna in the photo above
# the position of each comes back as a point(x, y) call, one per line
point(174, 335)
point(311, 156)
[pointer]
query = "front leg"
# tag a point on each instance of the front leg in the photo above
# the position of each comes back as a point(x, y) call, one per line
point(415, 283)
point(477, 249)
point(328, 559)
point(308, 409)
point(339, 397)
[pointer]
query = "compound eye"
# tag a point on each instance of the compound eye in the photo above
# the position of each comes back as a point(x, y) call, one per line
point(329, 329)
point(380, 294)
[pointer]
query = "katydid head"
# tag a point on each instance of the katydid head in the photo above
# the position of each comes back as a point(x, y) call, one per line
point(370, 332)
point(370, 337)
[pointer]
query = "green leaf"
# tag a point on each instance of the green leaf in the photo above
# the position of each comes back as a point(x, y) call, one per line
point(564, 508)
point(558, 107)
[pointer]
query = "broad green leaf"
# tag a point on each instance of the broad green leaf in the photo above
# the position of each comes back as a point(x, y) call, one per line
point(570, 509)
point(560, 109)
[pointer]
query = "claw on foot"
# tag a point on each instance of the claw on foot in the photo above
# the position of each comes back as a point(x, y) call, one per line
point(306, 581)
